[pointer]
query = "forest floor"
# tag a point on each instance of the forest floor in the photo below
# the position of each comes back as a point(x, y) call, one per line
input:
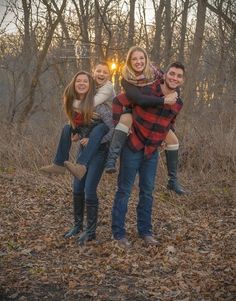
point(195, 259)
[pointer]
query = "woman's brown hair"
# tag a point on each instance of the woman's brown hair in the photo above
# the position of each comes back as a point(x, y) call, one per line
point(86, 106)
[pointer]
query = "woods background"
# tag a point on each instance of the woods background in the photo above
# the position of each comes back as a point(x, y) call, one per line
point(43, 43)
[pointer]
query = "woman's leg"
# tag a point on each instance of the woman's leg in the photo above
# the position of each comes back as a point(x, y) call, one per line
point(93, 176)
point(171, 151)
point(62, 153)
point(78, 206)
point(118, 140)
point(78, 210)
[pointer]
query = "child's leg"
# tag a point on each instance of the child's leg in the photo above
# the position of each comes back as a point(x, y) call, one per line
point(64, 145)
point(118, 140)
point(171, 138)
point(95, 137)
point(62, 153)
point(171, 151)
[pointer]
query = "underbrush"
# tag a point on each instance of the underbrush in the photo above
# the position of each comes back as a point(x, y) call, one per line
point(207, 150)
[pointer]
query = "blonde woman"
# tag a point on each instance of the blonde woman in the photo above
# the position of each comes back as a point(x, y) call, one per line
point(138, 77)
point(150, 127)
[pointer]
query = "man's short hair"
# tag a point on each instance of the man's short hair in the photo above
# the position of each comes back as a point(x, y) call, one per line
point(177, 65)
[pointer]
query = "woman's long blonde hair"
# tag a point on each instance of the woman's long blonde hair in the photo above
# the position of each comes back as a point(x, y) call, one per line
point(128, 71)
point(86, 106)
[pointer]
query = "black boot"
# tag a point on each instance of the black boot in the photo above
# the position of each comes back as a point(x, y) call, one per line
point(172, 166)
point(90, 232)
point(78, 204)
point(117, 142)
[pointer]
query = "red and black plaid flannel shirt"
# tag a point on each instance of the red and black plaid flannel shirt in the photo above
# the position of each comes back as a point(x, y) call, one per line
point(150, 125)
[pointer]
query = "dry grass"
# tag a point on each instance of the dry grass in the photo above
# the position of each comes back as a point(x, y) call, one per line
point(207, 153)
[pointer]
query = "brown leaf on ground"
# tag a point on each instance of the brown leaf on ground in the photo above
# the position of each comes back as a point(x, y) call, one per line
point(195, 259)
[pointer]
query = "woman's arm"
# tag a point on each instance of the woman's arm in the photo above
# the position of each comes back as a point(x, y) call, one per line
point(143, 100)
point(104, 93)
point(137, 97)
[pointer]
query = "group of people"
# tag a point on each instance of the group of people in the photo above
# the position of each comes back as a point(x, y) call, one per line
point(131, 126)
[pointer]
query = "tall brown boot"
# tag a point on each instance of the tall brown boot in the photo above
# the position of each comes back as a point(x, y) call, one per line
point(78, 204)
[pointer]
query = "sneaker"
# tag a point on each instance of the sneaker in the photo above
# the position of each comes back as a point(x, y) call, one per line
point(53, 169)
point(123, 243)
point(77, 170)
point(150, 241)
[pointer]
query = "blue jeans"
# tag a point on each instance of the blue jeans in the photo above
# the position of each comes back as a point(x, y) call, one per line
point(132, 163)
point(63, 148)
point(95, 138)
point(88, 184)
point(64, 145)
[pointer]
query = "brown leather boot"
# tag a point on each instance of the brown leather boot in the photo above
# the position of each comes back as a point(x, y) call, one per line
point(53, 169)
point(77, 170)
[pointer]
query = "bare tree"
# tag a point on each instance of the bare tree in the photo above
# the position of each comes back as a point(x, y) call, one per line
point(31, 78)
point(105, 30)
point(190, 85)
point(155, 52)
point(168, 32)
point(183, 31)
point(131, 23)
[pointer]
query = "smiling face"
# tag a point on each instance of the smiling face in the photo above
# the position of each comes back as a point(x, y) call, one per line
point(101, 74)
point(82, 85)
point(174, 78)
point(138, 61)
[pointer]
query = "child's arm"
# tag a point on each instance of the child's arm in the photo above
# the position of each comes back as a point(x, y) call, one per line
point(106, 115)
point(143, 100)
point(104, 94)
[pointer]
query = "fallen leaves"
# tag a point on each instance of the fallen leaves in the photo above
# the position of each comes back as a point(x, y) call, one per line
point(194, 260)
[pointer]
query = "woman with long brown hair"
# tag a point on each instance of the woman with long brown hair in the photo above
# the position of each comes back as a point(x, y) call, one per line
point(84, 118)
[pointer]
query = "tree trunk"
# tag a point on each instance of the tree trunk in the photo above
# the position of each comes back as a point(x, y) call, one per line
point(85, 47)
point(98, 33)
point(183, 31)
point(131, 24)
point(33, 78)
point(191, 76)
point(155, 53)
point(168, 33)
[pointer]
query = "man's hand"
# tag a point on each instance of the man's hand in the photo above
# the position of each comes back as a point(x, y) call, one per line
point(75, 137)
point(162, 146)
point(84, 141)
point(171, 99)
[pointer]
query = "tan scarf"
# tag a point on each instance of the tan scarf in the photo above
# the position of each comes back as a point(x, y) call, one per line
point(141, 80)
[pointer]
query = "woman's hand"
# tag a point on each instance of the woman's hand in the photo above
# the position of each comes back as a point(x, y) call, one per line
point(75, 137)
point(84, 141)
point(171, 99)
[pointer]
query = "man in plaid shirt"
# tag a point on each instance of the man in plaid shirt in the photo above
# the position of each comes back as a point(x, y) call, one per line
point(149, 129)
